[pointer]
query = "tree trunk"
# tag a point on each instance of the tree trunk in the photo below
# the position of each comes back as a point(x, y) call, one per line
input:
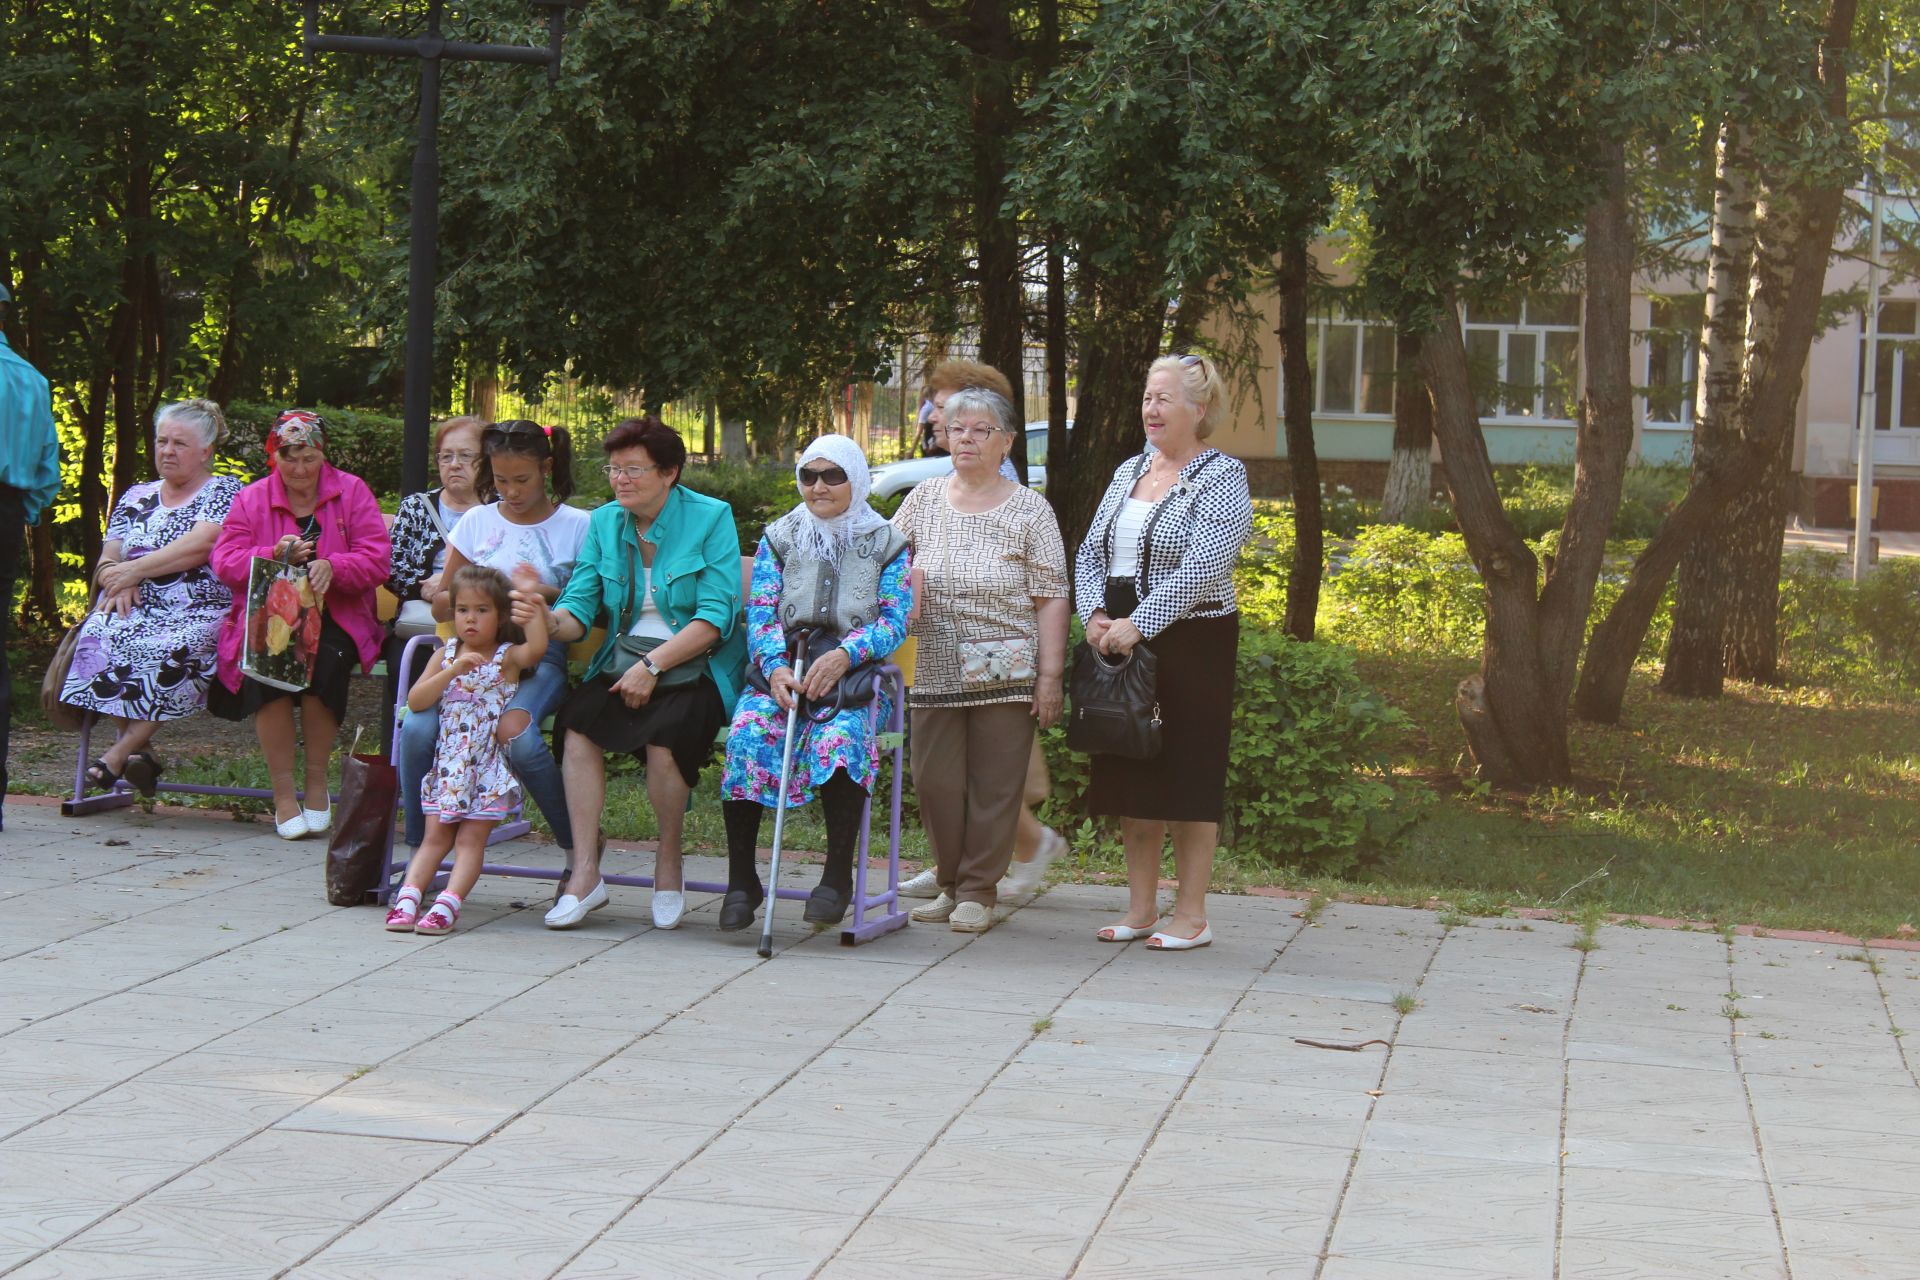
point(1056, 343)
point(1303, 463)
point(1124, 315)
point(41, 605)
point(1793, 238)
point(1410, 472)
point(1605, 434)
point(1696, 653)
point(1755, 533)
point(1002, 299)
point(1517, 735)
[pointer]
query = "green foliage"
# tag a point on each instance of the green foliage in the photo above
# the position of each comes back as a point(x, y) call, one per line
point(363, 443)
point(758, 492)
point(1536, 497)
point(1303, 780)
point(1401, 590)
point(1831, 630)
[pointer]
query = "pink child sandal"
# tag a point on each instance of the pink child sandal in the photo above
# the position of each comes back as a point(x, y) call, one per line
point(439, 918)
point(406, 910)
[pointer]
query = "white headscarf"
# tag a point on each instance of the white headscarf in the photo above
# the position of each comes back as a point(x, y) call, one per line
point(826, 539)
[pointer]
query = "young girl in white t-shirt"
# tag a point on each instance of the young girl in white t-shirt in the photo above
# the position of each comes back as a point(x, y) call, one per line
point(527, 532)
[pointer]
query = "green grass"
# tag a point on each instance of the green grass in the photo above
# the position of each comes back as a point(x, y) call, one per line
point(1788, 808)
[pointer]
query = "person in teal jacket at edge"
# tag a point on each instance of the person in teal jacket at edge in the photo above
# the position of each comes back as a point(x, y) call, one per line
point(660, 563)
point(29, 479)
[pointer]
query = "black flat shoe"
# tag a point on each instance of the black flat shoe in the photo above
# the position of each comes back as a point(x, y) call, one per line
point(826, 906)
point(143, 770)
point(737, 908)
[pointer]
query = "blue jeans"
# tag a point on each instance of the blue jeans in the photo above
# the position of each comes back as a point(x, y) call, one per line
point(528, 755)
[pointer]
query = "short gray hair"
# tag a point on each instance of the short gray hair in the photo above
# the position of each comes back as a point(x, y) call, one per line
point(980, 400)
point(204, 416)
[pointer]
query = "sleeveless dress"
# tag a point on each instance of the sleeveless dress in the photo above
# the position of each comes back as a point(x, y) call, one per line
point(470, 778)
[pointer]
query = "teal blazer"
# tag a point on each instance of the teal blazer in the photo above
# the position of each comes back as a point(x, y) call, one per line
point(696, 576)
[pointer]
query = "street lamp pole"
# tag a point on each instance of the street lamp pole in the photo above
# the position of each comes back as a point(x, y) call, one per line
point(423, 248)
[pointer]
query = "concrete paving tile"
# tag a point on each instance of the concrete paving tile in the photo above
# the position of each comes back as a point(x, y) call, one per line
point(1288, 1177)
point(439, 1229)
point(1836, 1166)
point(1729, 1197)
point(1085, 1058)
point(1193, 1232)
point(712, 1241)
point(942, 1250)
point(1340, 1132)
point(1485, 1118)
point(1328, 987)
point(1674, 1226)
point(1840, 1236)
point(975, 1188)
point(1697, 1054)
point(1703, 1161)
point(1609, 1258)
point(437, 1108)
point(791, 1171)
point(594, 1154)
point(637, 1087)
point(1078, 1011)
point(85, 1264)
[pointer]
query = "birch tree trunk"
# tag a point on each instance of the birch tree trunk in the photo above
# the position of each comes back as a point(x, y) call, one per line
point(1410, 471)
point(1696, 650)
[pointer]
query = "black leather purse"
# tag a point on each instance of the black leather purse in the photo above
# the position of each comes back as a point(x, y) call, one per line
point(854, 690)
point(1115, 709)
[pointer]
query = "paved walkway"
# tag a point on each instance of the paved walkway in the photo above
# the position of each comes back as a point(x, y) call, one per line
point(205, 1071)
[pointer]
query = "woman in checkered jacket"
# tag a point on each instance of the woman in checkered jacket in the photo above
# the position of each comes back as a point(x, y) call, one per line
point(1157, 569)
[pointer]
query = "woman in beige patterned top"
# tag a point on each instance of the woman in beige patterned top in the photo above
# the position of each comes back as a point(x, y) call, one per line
point(991, 571)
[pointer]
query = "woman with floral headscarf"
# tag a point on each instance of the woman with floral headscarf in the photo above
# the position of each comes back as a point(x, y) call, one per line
point(308, 512)
point(834, 566)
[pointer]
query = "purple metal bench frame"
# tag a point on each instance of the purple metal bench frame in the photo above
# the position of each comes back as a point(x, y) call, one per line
point(122, 793)
point(873, 914)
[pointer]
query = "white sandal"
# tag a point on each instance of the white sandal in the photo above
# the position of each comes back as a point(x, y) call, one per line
point(1126, 932)
point(1174, 942)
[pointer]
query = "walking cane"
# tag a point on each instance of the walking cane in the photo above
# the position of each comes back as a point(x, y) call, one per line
point(801, 639)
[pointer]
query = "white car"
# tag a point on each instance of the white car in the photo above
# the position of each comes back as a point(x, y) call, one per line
point(898, 477)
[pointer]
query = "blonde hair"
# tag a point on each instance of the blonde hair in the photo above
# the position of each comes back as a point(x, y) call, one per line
point(1206, 391)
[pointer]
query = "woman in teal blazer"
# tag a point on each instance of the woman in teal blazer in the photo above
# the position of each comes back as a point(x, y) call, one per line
point(660, 562)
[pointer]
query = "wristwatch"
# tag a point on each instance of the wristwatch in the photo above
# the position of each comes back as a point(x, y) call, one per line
point(646, 660)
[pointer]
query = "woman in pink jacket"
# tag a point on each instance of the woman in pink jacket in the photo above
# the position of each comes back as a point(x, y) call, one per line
point(309, 512)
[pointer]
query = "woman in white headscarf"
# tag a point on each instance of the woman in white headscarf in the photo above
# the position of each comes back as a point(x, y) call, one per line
point(832, 566)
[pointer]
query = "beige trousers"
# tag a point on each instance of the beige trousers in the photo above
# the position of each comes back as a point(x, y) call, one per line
point(970, 773)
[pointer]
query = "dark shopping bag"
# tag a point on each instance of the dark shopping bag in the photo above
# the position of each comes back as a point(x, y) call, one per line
point(357, 850)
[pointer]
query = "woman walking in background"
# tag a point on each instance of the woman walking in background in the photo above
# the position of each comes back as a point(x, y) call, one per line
point(1157, 569)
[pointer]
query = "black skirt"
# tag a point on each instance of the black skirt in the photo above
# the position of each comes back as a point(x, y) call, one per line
point(685, 721)
point(1187, 781)
point(333, 663)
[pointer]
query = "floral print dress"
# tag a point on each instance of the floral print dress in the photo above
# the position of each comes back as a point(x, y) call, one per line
point(470, 777)
point(848, 741)
point(154, 663)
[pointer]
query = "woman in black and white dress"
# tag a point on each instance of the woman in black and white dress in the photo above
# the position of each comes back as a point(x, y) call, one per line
point(1157, 569)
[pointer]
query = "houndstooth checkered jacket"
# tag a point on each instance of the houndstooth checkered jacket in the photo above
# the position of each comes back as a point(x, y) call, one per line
point(1188, 546)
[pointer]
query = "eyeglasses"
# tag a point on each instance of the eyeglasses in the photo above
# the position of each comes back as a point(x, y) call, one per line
point(460, 458)
point(833, 477)
point(617, 474)
point(970, 431)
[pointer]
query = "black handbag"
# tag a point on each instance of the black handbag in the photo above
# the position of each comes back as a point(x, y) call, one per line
point(855, 689)
point(1115, 709)
point(627, 650)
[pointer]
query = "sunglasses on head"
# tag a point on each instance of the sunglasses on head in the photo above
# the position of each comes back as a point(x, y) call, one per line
point(833, 476)
point(515, 427)
point(1190, 361)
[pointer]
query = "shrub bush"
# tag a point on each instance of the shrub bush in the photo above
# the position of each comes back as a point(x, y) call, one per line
point(1832, 630)
point(1537, 496)
point(1303, 781)
point(757, 492)
point(1402, 590)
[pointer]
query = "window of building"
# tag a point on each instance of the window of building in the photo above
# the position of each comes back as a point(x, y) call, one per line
point(1896, 368)
point(1352, 366)
point(1673, 360)
point(1524, 356)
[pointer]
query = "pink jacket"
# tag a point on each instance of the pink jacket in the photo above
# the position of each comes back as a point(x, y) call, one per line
point(353, 539)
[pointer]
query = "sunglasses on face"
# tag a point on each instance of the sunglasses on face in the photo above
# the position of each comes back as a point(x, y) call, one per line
point(831, 476)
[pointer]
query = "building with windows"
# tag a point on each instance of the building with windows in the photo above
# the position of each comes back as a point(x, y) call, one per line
point(1524, 355)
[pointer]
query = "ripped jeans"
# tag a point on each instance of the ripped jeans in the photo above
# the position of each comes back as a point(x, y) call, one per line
point(528, 755)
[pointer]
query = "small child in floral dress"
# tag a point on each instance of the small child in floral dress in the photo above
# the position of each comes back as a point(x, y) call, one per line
point(470, 788)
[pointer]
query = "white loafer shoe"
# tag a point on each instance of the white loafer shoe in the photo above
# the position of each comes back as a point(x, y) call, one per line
point(1023, 878)
point(924, 885)
point(318, 820)
point(294, 828)
point(570, 911)
point(668, 906)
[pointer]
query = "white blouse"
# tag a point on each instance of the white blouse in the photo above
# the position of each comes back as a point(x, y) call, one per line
point(1127, 528)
